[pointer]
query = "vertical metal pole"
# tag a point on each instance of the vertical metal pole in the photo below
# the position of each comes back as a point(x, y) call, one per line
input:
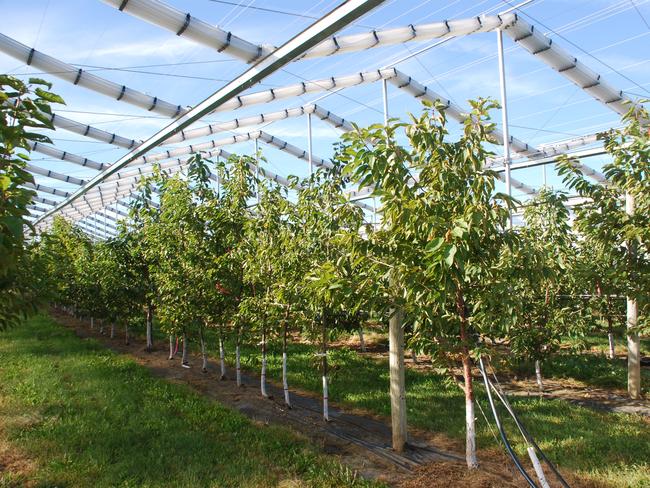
point(504, 116)
point(257, 169)
point(384, 95)
point(309, 145)
point(374, 212)
point(218, 179)
point(105, 232)
point(544, 174)
point(633, 344)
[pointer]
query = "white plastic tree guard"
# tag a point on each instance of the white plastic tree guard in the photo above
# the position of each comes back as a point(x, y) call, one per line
point(78, 76)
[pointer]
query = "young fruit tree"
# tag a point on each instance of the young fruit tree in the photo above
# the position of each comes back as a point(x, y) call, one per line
point(616, 217)
point(23, 108)
point(440, 246)
point(323, 213)
point(541, 267)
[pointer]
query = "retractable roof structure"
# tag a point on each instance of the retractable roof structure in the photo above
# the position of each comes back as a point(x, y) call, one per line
point(89, 188)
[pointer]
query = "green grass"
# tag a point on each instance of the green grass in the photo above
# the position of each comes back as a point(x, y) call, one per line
point(591, 367)
point(614, 448)
point(89, 417)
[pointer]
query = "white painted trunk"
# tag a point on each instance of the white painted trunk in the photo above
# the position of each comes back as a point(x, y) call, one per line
point(149, 328)
point(326, 408)
point(171, 347)
point(538, 467)
point(238, 365)
point(470, 435)
point(263, 377)
point(101, 327)
point(204, 356)
point(222, 358)
point(112, 331)
point(633, 352)
point(612, 352)
point(538, 376)
point(285, 380)
point(633, 344)
point(185, 351)
point(92, 323)
point(362, 340)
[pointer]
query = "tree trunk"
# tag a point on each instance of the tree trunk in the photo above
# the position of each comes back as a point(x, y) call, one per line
point(362, 341)
point(101, 327)
point(414, 356)
point(171, 346)
point(238, 357)
point(112, 330)
point(222, 354)
point(126, 333)
point(610, 337)
point(285, 380)
point(470, 425)
point(92, 323)
point(204, 356)
point(633, 344)
point(397, 380)
point(150, 328)
point(326, 410)
point(633, 352)
point(538, 376)
point(263, 376)
point(184, 361)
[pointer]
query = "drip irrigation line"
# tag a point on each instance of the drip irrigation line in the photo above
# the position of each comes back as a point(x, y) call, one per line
point(504, 437)
point(522, 428)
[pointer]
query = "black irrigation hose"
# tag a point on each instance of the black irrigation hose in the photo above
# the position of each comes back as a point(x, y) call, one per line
point(529, 438)
point(504, 438)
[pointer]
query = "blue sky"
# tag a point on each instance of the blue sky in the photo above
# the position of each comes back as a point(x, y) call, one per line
point(543, 105)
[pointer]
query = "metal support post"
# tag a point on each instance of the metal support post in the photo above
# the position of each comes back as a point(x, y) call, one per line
point(504, 117)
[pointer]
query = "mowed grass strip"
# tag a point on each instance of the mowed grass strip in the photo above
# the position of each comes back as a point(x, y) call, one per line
point(612, 449)
point(81, 416)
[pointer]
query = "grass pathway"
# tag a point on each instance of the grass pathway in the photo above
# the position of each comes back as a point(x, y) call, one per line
point(72, 413)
